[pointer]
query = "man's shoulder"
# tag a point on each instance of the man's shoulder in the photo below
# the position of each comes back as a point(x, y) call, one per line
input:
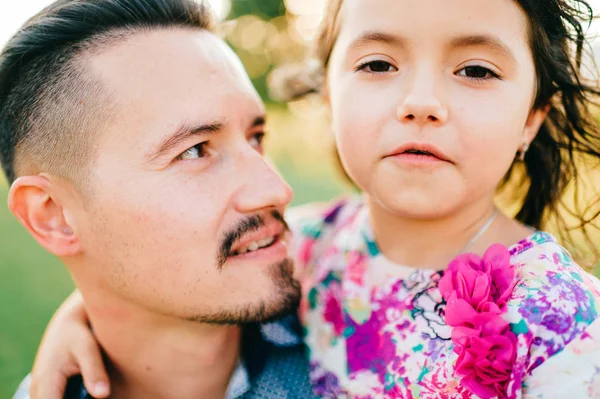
point(276, 361)
point(285, 375)
point(74, 390)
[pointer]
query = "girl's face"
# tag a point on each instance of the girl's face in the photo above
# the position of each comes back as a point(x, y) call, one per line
point(431, 100)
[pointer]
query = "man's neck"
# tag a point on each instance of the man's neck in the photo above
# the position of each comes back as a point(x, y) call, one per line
point(157, 357)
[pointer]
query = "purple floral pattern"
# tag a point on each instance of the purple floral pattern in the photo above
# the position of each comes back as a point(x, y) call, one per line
point(386, 337)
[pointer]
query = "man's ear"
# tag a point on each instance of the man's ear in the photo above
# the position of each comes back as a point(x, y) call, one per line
point(534, 123)
point(32, 203)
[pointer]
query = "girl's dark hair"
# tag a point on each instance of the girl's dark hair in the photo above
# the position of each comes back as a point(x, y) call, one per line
point(570, 135)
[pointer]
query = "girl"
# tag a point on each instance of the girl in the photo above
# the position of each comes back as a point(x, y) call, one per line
point(420, 287)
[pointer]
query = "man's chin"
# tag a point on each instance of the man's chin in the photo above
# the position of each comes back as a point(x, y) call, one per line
point(285, 299)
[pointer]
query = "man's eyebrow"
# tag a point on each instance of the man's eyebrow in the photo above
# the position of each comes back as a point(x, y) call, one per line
point(181, 134)
point(381, 37)
point(485, 41)
point(186, 131)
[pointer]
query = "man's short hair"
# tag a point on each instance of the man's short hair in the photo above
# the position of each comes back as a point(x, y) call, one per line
point(50, 106)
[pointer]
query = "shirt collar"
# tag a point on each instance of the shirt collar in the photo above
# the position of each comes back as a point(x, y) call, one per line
point(285, 332)
point(239, 383)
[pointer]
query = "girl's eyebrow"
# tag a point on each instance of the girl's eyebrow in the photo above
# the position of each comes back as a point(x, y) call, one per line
point(391, 39)
point(491, 42)
point(369, 37)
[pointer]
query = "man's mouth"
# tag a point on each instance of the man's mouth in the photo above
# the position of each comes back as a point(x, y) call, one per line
point(258, 236)
point(255, 246)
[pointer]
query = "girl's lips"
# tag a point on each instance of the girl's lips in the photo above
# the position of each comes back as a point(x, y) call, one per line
point(417, 159)
point(419, 152)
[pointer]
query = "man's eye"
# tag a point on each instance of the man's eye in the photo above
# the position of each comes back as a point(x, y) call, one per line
point(477, 72)
point(256, 140)
point(377, 67)
point(195, 152)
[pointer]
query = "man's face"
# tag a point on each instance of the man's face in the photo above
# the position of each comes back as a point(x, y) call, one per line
point(182, 195)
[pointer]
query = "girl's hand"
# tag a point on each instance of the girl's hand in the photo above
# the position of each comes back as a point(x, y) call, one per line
point(68, 348)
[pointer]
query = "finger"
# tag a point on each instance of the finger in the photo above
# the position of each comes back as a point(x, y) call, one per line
point(95, 378)
point(50, 385)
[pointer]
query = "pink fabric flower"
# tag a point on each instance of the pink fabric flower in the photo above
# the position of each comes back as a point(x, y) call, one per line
point(465, 279)
point(480, 280)
point(476, 291)
point(485, 364)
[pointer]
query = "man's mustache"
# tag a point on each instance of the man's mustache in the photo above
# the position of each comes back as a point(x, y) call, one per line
point(248, 225)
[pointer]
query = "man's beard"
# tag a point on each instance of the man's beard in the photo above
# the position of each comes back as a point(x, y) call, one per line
point(286, 291)
point(285, 300)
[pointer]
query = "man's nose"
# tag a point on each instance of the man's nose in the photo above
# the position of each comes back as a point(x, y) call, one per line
point(261, 185)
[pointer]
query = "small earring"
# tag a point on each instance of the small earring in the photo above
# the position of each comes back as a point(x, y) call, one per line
point(522, 151)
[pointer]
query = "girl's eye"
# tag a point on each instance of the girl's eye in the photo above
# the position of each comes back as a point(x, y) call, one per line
point(196, 152)
point(478, 73)
point(377, 67)
point(256, 141)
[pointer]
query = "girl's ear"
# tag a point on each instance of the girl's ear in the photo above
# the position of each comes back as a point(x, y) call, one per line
point(534, 123)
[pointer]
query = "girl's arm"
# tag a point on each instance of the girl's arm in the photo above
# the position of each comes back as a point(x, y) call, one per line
point(68, 348)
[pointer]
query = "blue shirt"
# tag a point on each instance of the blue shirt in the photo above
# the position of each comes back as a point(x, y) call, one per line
point(273, 365)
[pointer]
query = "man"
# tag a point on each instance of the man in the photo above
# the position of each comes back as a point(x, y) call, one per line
point(132, 136)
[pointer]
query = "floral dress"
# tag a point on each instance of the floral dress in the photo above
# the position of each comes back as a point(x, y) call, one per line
point(375, 329)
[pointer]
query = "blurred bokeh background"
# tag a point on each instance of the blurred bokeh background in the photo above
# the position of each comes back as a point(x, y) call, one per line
point(265, 33)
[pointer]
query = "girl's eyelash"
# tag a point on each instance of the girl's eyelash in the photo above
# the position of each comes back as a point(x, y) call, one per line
point(383, 65)
point(371, 63)
point(493, 75)
point(361, 66)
